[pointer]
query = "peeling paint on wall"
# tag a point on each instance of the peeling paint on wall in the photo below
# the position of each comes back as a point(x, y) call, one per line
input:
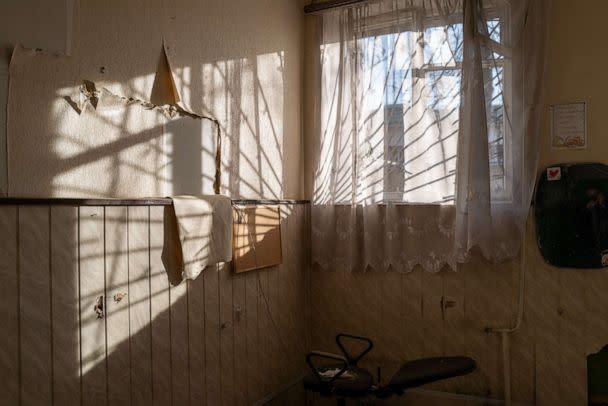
point(110, 147)
point(164, 90)
point(231, 61)
point(169, 106)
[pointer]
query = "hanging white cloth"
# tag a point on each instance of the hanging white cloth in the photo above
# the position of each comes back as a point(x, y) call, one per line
point(204, 233)
point(428, 126)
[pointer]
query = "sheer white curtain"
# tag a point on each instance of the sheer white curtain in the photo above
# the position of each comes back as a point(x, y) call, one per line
point(428, 120)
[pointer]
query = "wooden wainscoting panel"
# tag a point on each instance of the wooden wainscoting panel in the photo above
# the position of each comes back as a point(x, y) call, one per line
point(412, 294)
point(363, 300)
point(284, 312)
point(264, 326)
point(547, 369)
point(92, 295)
point(327, 293)
point(432, 294)
point(117, 305)
point(573, 359)
point(523, 364)
point(453, 295)
point(299, 280)
point(251, 313)
point(196, 340)
point(92, 319)
point(180, 347)
point(159, 307)
point(9, 304)
point(596, 305)
point(226, 335)
point(542, 309)
point(139, 305)
point(389, 346)
point(239, 294)
point(275, 336)
point(66, 317)
point(35, 301)
point(212, 336)
point(413, 342)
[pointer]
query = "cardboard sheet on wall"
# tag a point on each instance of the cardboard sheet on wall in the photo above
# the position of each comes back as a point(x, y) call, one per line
point(256, 237)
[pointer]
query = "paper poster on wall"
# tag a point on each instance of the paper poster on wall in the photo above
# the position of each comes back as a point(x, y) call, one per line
point(569, 125)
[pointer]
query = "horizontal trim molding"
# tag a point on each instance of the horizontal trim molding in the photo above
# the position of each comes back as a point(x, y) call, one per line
point(163, 201)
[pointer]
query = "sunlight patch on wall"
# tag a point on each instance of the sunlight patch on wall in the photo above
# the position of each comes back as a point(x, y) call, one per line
point(247, 97)
point(117, 147)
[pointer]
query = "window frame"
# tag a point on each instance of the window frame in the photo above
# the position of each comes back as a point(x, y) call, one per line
point(413, 21)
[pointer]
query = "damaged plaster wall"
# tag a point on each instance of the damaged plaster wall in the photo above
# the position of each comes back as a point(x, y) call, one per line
point(565, 309)
point(35, 24)
point(236, 61)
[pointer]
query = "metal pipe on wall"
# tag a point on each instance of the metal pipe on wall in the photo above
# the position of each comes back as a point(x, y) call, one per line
point(505, 332)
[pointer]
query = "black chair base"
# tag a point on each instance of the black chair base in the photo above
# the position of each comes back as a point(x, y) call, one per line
point(347, 381)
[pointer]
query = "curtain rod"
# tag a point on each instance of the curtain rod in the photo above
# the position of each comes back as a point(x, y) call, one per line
point(317, 8)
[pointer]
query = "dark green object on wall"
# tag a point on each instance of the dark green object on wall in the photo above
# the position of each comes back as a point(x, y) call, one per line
point(571, 210)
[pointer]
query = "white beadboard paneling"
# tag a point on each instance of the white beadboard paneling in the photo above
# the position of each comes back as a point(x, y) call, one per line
point(251, 315)
point(212, 336)
point(92, 287)
point(275, 333)
point(117, 311)
point(239, 295)
point(66, 317)
point(9, 305)
point(196, 340)
point(35, 301)
point(264, 326)
point(178, 294)
point(159, 305)
point(3, 102)
point(139, 305)
point(200, 342)
point(179, 344)
point(226, 335)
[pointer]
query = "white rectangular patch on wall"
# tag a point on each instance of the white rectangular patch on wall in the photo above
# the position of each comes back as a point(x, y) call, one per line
point(569, 125)
point(554, 173)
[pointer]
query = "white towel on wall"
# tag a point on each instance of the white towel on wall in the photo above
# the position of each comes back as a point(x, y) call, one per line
point(204, 227)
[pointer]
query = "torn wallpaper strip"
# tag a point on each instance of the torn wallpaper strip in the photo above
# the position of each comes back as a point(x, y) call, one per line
point(164, 90)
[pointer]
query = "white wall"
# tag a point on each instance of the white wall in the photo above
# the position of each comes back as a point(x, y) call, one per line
point(35, 24)
point(237, 61)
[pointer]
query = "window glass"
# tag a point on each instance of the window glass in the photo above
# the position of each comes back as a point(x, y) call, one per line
point(406, 120)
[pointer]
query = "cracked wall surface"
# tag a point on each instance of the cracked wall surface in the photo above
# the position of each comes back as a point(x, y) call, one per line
point(237, 62)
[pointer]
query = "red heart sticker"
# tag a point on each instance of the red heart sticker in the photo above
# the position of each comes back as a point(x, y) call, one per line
point(554, 173)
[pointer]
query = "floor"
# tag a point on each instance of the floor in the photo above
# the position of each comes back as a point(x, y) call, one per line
point(295, 396)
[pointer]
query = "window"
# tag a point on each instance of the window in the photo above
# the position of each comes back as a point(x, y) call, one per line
point(420, 74)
